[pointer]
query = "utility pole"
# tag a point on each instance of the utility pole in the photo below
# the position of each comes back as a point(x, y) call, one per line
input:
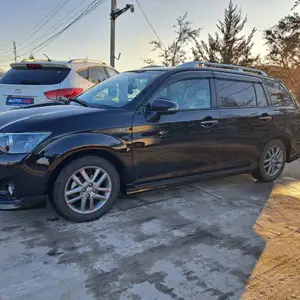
point(15, 51)
point(113, 33)
point(114, 14)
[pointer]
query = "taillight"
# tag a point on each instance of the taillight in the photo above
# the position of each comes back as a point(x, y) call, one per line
point(68, 93)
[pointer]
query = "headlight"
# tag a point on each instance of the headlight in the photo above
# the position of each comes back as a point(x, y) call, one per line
point(21, 143)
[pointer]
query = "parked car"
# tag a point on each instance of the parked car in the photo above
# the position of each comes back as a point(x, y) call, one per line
point(37, 81)
point(146, 129)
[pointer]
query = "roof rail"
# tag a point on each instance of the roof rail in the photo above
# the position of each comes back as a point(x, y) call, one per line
point(195, 64)
point(85, 60)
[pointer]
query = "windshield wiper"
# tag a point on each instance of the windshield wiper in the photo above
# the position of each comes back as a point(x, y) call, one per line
point(76, 100)
point(69, 100)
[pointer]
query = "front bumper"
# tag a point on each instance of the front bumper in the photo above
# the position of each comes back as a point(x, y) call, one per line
point(28, 179)
point(24, 203)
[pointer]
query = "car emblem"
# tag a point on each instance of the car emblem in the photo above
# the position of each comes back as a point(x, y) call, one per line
point(18, 91)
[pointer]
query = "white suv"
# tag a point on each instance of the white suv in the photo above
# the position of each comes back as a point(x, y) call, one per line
point(38, 81)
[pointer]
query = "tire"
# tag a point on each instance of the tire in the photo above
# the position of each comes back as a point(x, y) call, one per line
point(89, 207)
point(265, 161)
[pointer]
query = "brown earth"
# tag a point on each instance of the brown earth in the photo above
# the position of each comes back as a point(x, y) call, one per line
point(277, 273)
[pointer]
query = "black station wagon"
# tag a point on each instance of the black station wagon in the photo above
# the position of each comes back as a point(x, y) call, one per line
point(145, 129)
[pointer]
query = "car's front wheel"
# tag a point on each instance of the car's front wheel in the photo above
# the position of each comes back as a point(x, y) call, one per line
point(86, 189)
point(271, 162)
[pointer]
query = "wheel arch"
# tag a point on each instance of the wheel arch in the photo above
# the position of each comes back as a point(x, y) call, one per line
point(287, 143)
point(113, 159)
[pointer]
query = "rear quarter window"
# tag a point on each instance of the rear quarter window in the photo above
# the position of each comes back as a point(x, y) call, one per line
point(46, 76)
point(278, 94)
point(111, 72)
point(83, 73)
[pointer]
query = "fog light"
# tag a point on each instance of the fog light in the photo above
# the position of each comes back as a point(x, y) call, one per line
point(10, 190)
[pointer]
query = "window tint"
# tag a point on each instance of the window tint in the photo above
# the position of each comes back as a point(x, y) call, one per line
point(189, 94)
point(261, 95)
point(83, 73)
point(236, 93)
point(97, 74)
point(111, 72)
point(46, 76)
point(278, 94)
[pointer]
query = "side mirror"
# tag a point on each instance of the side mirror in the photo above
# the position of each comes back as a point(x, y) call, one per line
point(160, 107)
point(164, 106)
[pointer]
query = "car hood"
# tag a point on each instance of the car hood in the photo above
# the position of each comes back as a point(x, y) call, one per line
point(19, 120)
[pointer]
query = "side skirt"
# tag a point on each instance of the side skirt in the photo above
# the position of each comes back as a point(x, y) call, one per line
point(142, 187)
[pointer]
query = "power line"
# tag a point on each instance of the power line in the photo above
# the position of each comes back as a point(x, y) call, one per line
point(149, 23)
point(48, 16)
point(84, 13)
point(36, 21)
point(62, 4)
point(55, 26)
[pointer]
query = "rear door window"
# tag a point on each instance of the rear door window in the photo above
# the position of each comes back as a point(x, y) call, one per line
point(44, 76)
point(236, 94)
point(278, 94)
point(261, 95)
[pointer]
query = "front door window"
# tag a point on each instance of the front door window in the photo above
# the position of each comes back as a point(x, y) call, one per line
point(189, 94)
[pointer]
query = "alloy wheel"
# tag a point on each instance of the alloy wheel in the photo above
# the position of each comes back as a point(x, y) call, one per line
point(88, 189)
point(273, 160)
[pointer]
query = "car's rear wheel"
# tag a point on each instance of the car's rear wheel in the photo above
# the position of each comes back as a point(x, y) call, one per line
point(271, 162)
point(86, 189)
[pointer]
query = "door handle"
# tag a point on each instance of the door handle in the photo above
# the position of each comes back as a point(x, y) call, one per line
point(265, 118)
point(210, 123)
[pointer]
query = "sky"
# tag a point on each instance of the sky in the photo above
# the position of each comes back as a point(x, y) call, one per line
point(89, 38)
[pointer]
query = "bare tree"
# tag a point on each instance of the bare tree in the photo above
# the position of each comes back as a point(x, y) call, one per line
point(176, 52)
point(297, 3)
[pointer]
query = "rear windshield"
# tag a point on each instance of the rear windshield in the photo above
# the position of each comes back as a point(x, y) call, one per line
point(45, 76)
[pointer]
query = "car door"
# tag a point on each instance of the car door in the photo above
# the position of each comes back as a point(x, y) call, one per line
point(246, 120)
point(179, 144)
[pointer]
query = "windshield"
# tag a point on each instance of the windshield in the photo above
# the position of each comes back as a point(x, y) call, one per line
point(119, 90)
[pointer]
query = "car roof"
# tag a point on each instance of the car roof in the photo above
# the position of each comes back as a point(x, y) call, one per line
point(73, 63)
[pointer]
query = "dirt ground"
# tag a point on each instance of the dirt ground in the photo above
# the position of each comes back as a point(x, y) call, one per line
point(277, 273)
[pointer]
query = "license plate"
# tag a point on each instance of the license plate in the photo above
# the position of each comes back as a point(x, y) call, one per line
point(11, 100)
